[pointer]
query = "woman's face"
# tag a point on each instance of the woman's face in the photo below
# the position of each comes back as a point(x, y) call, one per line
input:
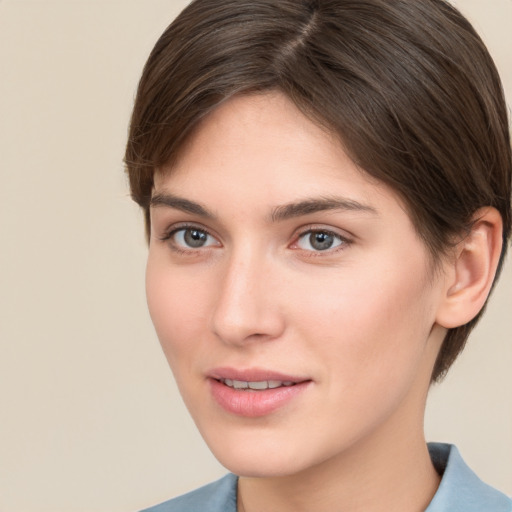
point(275, 264)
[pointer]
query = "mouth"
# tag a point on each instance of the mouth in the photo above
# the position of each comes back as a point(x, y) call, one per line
point(260, 385)
point(255, 393)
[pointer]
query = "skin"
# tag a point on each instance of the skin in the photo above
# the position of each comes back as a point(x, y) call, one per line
point(359, 319)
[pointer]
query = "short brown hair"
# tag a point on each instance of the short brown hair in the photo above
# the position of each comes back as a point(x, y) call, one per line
point(407, 85)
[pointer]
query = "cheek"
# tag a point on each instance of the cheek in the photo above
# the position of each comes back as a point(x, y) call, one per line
point(176, 305)
point(370, 327)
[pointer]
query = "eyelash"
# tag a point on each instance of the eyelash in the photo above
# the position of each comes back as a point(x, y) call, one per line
point(343, 240)
point(168, 237)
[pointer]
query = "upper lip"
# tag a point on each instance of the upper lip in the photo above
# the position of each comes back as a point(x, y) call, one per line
point(253, 375)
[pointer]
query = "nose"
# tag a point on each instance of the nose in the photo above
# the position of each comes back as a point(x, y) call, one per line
point(248, 306)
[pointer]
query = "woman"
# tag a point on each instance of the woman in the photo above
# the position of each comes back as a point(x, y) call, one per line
point(327, 195)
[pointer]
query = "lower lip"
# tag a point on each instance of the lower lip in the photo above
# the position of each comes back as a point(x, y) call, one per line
point(251, 403)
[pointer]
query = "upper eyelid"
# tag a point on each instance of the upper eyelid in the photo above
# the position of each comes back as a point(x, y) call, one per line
point(174, 228)
point(342, 238)
point(342, 233)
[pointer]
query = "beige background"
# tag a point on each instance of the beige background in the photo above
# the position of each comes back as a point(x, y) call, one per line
point(89, 416)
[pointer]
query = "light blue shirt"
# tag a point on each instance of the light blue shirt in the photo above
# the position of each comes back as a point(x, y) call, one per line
point(460, 490)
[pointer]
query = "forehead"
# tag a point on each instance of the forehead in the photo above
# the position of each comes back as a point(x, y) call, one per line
point(251, 122)
point(257, 152)
point(257, 137)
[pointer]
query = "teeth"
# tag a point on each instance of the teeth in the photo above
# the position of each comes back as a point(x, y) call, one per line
point(258, 385)
point(240, 384)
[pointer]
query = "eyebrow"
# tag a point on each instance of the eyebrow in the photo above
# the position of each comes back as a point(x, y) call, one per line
point(309, 206)
point(280, 213)
point(179, 203)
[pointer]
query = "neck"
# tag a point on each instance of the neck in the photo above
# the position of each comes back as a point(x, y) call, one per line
point(390, 470)
point(398, 476)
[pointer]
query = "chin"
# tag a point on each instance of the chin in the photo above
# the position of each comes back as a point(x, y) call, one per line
point(255, 456)
point(261, 466)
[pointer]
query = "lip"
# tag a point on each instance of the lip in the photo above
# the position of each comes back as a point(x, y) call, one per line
point(250, 403)
point(253, 374)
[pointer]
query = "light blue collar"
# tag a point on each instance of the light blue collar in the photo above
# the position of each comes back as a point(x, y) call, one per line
point(460, 489)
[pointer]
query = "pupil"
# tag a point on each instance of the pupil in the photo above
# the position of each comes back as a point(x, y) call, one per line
point(195, 238)
point(321, 241)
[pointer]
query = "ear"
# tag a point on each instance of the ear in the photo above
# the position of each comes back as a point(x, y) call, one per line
point(470, 272)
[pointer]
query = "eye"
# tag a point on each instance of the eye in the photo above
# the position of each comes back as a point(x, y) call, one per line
point(192, 238)
point(319, 240)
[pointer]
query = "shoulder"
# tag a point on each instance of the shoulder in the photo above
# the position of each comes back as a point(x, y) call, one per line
point(460, 488)
point(219, 496)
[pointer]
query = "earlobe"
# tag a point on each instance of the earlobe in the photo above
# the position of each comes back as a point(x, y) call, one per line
point(471, 272)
